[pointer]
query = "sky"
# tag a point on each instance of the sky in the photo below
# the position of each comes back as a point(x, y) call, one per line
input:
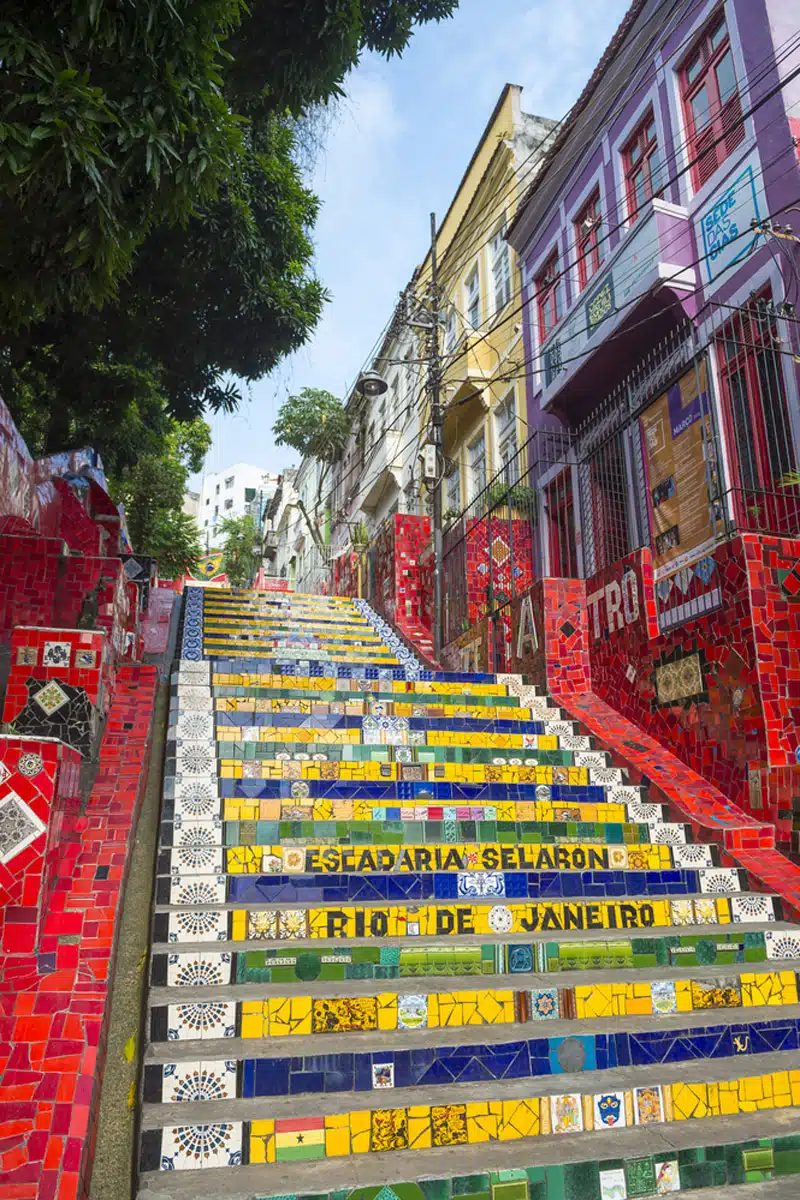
point(396, 152)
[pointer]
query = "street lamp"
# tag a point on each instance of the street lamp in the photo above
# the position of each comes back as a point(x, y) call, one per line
point(371, 384)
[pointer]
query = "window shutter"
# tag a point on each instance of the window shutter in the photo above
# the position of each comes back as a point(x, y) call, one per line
point(706, 154)
point(732, 123)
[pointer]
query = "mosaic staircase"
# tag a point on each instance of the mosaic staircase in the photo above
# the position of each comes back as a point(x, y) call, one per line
point(402, 910)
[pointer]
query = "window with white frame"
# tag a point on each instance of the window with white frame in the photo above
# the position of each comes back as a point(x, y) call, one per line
point(501, 269)
point(506, 433)
point(473, 292)
point(453, 491)
point(477, 465)
point(450, 330)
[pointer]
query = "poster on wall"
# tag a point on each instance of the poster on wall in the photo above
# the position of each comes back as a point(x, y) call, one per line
point(676, 443)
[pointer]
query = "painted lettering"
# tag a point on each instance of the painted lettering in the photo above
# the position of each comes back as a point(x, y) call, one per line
point(630, 596)
point(613, 606)
point(336, 923)
point(445, 920)
point(594, 604)
point(527, 639)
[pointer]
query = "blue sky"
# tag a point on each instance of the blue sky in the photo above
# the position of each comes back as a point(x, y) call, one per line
point(396, 153)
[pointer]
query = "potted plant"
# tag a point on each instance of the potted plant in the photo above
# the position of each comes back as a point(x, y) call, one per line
point(359, 535)
point(519, 496)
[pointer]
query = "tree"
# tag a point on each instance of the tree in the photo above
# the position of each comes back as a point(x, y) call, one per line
point(241, 549)
point(229, 294)
point(113, 121)
point(118, 119)
point(317, 425)
point(152, 492)
point(174, 542)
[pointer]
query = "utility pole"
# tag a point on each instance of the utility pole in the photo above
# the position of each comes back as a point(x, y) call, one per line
point(437, 424)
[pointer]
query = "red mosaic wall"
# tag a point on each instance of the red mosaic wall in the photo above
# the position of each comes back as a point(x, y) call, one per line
point(30, 576)
point(52, 794)
point(721, 690)
point(29, 659)
point(54, 984)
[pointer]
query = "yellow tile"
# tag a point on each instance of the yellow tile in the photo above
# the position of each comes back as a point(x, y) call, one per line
point(360, 1127)
point(419, 1127)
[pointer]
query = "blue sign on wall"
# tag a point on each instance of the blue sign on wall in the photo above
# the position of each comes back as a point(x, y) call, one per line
point(723, 224)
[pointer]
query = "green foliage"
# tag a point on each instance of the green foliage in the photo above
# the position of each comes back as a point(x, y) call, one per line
point(229, 294)
point(156, 229)
point(120, 118)
point(359, 535)
point(518, 496)
point(174, 542)
point(113, 120)
point(152, 490)
point(315, 423)
point(241, 549)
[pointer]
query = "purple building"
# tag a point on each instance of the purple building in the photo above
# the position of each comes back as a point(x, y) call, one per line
point(660, 327)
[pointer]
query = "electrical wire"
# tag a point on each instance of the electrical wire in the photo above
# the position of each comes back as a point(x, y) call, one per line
point(678, 174)
point(522, 306)
point(764, 65)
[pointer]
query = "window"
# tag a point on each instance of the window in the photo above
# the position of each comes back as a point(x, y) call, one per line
point(642, 166)
point(453, 497)
point(228, 482)
point(547, 296)
point(473, 290)
point(506, 427)
point(587, 225)
point(501, 269)
point(205, 524)
point(217, 490)
point(711, 102)
point(450, 330)
point(216, 510)
point(228, 504)
point(756, 417)
point(249, 495)
point(208, 499)
point(477, 466)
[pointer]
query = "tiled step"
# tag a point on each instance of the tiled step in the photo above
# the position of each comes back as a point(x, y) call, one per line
point(517, 963)
point(509, 1111)
point(380, 878)
point(301, 922)
point(405, 833)
point(356, 1016)
point(720, 1154)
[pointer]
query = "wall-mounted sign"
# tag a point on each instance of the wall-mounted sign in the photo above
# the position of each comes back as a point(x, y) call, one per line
point(600, 306)
point(677, 451)
point(723, 224)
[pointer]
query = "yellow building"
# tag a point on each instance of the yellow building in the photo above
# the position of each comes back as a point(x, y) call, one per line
point(481, 338)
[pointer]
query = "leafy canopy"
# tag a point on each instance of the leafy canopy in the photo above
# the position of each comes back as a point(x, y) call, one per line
point(315, 423)
point(119, 118)
point(241, 549)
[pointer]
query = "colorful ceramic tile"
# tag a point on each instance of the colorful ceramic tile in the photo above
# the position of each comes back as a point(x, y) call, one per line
point(19, 826)
point(383, 1075)
point(412, 1012)
point(544, 1004)
point(193, 1147)
point(566, 1114)
point(648, 1105)
point(612, 1184)
point(56, 654)
point(664, 999)
point(609, 1110)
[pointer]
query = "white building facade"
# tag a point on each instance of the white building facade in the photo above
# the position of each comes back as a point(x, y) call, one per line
point(232, 492)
